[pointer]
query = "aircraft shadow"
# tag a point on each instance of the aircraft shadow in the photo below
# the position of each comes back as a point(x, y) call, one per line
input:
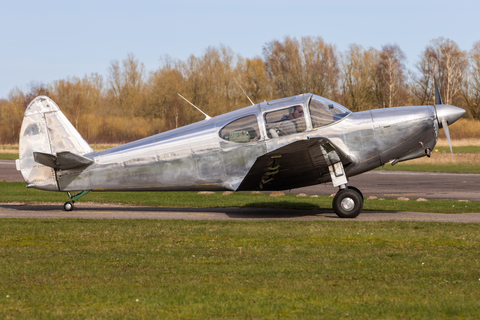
point(246, 212)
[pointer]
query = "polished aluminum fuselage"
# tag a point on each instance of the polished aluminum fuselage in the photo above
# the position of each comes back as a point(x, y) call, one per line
point(195, 157)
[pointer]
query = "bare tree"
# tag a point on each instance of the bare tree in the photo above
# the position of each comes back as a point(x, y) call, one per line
point(252, 75)
point(321, 67)
point(295, 67)
point(391, 69)
point(126, 85)
point(284, 66)
point(471, 84)
point(11, 116)
point(36, 89)
point(444, 59)
point(360, 84)
point(422, 88)
point(77, 97)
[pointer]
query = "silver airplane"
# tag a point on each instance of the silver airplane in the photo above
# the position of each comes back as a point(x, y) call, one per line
point(282, 144)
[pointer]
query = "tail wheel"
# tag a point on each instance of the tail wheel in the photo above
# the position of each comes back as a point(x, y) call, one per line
point(68, 206)
point(348, 203)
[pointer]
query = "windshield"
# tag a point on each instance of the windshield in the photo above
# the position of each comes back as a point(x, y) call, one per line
point(324, 111)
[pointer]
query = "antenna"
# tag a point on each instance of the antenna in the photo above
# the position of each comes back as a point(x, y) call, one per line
point(244, 92)
point(206, 116)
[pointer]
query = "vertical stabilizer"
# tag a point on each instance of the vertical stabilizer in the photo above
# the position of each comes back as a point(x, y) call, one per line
point(45, 129)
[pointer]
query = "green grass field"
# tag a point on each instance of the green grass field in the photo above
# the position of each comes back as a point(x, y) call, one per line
point(16, 192)
point(8, 156)
point(460, 149)
point(426, 167)
point(136, 269)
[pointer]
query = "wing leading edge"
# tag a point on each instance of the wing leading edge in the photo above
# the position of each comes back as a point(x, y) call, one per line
point(298, 164)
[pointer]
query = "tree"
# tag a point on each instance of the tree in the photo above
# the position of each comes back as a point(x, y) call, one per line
point(444, 59)
point(471, 85)
point(295, 67)
point(391, 72)
point(284, 66)
point(321, 67)
point(360, 85)
point(253, 78)
point(126, 85)
point(78, 97)
point(36, 89)
point(210, 82)
point(11, 116)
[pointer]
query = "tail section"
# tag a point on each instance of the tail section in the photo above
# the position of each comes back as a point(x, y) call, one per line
point(47, 132)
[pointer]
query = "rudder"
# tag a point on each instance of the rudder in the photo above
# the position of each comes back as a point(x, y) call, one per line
point(45, 129)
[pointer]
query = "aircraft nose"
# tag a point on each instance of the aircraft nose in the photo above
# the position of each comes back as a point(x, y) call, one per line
point(448, 113)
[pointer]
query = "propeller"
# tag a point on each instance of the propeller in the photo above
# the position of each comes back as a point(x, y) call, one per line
point(446, 114)
point(447, 134)
point(438, 99)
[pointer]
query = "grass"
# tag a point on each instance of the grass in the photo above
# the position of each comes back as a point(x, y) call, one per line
point(460, 149)
point(471, 168)
point(8, 156)
point(16, 192)
point(136, 269)
point(441, 162)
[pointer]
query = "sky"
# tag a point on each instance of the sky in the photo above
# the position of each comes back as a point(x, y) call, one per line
point(44, 41)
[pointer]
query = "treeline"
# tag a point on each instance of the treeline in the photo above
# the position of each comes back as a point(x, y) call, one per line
point(130, 103)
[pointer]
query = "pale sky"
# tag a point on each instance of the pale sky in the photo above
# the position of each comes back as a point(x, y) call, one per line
point(43, 41)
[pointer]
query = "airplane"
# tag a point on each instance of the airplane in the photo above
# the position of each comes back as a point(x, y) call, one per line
point(288, 143)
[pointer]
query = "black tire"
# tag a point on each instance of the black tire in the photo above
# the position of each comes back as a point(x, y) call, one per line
point(347, 203)
point(68, 206)
point(356, 189)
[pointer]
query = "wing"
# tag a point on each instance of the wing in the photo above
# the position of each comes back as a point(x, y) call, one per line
point(299, 164)
point(62, 160)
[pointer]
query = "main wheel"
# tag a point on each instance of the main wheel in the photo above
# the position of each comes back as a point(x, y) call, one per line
point(347, 203)
point(356, 189)
point(68, 206)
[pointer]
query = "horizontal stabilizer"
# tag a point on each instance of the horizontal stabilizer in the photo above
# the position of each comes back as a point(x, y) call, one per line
point(62, 160)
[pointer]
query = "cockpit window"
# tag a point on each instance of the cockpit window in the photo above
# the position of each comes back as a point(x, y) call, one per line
point(324, 111)
point(285, 121)
point(241, 130)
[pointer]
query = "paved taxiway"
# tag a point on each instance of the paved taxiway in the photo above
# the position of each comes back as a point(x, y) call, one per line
point(105, 211)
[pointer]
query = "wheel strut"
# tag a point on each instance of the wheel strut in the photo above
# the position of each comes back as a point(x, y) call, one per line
point(68, 206)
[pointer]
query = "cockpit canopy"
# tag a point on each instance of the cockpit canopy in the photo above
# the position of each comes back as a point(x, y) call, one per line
point(297, 115)
point(324, 111)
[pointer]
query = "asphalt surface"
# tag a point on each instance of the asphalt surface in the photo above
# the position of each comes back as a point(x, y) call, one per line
point(413, 185)
point(106, 211)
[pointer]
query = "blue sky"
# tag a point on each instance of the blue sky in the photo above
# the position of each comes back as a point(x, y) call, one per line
point(43, 41)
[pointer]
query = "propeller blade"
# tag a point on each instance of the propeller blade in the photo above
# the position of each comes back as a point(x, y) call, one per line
point(438, 99)
point(447, 134)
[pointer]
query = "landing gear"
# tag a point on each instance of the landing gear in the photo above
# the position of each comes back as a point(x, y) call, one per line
point(348, 202)
point(68, 206)
point(356, 189)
